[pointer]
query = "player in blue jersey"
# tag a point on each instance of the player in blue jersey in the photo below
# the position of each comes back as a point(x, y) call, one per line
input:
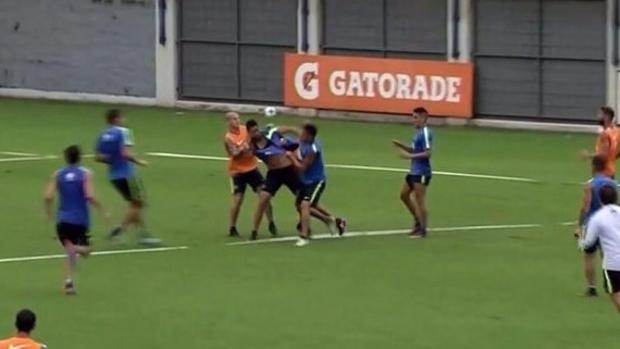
point(114, 148)
point(274, 150)
point(420, 173)
point(75, 189)
point(591, 204)
point(310, 163)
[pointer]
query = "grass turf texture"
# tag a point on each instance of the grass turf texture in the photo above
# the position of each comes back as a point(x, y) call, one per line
point(476, 289)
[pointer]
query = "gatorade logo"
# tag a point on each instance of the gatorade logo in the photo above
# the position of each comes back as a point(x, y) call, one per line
point(307, 81)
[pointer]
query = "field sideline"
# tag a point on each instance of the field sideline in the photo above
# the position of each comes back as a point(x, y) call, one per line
point(510, 280)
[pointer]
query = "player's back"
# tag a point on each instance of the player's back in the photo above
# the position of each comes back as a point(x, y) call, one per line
point(73, 207)
point(20, 343)
point(111, 143)
point(596, 184)
point(244, 162)
point(316, 171)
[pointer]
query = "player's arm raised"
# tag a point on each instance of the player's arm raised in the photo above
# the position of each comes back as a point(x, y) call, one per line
point(585, 207)
point(398, 144)
point(48, 196)
point(89, 190)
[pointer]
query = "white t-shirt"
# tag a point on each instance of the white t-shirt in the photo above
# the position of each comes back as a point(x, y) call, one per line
point(604, 228)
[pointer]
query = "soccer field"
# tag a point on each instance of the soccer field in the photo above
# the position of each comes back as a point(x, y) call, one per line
point(513, 282)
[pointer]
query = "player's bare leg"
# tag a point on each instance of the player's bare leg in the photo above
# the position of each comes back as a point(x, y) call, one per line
point(405, 197)
point(615, 299)
point(70, 263)
point(304, 215)
point(420, 207)
point(264, 199)
point(590, 273)
point(235, 207)
point(273, 230)
point(332, 222)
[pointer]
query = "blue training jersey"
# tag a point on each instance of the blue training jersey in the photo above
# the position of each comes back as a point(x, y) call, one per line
point(316, 171)
point(596, 183)
point(73, 203)
point(111, 143)
point(276, 144)
point(422, 141)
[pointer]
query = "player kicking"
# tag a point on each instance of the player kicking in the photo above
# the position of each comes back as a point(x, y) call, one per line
point(310, 163)
point(25, 323)
point(114, 148)
point(591, 204)
point(243, 170)
point(75, 189)
point(604, 230)
point(419, 177)
point(608, 141)
point(274, 150)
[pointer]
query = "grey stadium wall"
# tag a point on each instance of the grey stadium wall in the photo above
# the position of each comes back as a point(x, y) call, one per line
point(87, 46)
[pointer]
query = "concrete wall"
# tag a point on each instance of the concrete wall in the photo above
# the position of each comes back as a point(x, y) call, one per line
point(92, 46)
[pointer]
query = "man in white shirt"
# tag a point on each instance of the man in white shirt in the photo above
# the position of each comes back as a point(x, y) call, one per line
point(604, 229)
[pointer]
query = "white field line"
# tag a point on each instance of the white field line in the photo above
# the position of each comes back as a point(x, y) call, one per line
point(387, 232)
point(15, 153)
point(30, 158)
point(357, 167)
point(97, 253)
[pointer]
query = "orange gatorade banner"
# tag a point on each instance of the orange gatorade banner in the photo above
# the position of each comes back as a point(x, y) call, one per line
point(378, 85)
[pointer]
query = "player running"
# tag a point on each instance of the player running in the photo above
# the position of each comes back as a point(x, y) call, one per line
point(604, 230)
point(114, 148)
point(75, 189)
point(591, 204)
point(25, 323)
point(310, 163)
point(243, 170)
point(420, 174)
point(274, 150)
point(608, 141)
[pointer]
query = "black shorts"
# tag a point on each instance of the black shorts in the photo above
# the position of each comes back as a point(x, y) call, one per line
point(76, 234)
point(240, 181)
point(312, 192)
point(287, 176)
point(611, 280)
point(130, 188)
point(414, 179)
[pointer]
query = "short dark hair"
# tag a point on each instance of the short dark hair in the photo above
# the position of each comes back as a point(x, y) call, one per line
point(251, 123)
point(608, 195)
point(608, 111)
point(111, 115)
point(73, 154)
point(311, 129)
point(420, 110)
point(598, 163)
point(25, 320)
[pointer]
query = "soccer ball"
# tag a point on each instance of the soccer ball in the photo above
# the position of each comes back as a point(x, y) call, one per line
point(270, 112)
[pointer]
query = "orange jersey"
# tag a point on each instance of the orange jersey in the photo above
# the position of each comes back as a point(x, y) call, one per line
point(20, 343)
point(611, 137)
point(243, 163)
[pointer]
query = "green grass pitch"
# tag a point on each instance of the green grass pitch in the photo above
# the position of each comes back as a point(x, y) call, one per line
point(503, 288)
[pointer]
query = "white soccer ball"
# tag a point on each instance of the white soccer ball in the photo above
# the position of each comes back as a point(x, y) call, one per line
point(270, 112)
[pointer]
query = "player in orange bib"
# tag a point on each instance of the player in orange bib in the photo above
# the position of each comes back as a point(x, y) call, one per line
point(243, 171)
point(25, 323)
point(608, 141)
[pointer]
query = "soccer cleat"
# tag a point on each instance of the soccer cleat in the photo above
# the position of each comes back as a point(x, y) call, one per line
point(254, 235)
point(416, 229)
point(301, 242)
point(115, 233)
point(233, 232)
point(273, 230)
point(421, 234)
point(341, 225)
point(69, 288)
point(591, 292)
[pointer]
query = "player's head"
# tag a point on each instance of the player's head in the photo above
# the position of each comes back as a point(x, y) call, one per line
point(114, 117)
point(73, 155)
point(420, 115)
point(308, 132)
point(598, 164)
point(253, 129)
point(608, 195)
point(605, 116)
point(233, 119)
point(25, 321)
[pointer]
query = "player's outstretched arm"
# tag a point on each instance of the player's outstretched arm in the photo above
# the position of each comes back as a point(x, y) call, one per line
point(48, 196)
point(398, 144)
